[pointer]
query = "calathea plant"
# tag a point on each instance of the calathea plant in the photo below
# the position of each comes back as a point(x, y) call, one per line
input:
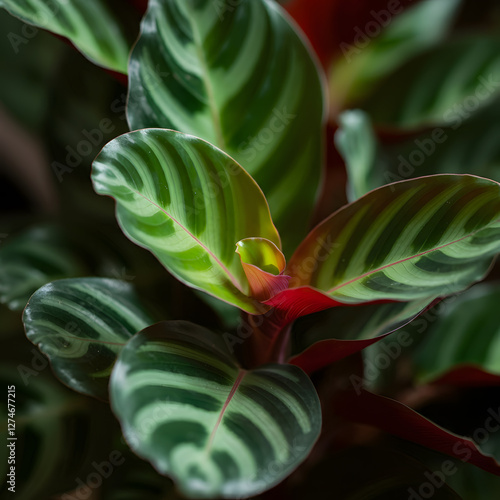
point(218, 179)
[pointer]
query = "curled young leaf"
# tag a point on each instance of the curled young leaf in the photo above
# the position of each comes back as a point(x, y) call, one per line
point(263, 264)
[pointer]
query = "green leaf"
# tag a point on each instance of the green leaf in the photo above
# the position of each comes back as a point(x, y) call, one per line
point(217, 430)
point(264, 264)
point(240, 76)
point(404, 36)
point(469, 145)
point(357, 143)
point(189, 204)
point(430, 236)
point(89, 24)
point(81, 325)
point(439, 84)
point(31, 259)
point(466, 333)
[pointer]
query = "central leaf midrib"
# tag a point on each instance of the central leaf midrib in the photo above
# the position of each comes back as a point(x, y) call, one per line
point(391, 264)
point(205, 75)
point(231, 277)
point(230, 396)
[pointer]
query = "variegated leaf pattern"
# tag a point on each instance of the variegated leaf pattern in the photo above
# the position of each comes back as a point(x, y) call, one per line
point(189, 204)
point(239, 75)
point(89, 24)
point(217, 430)
point(465, 334)
point(81, 325)
point(425, 237)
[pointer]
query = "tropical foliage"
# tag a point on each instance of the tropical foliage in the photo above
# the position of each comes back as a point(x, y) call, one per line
point(274, 308)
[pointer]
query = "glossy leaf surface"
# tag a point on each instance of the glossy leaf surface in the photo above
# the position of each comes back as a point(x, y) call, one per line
point(263, 264)
point(217, 430)
point(238, 75)
point(189, 204)
point(81, 325)
point(409, 240)
point(89, 24)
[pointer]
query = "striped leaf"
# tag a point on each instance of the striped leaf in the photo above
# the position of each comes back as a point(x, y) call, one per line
point(466, 334)
point(439, 85)
point(468, 145)
point(81, 325)
point(32, 259)
point(89, 24)
point(59, 434)
point(240, 76)
point(217, 430)
point(409, 240)
point(189, 204)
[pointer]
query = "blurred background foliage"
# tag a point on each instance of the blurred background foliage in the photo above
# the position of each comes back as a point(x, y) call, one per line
point(56, 112)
